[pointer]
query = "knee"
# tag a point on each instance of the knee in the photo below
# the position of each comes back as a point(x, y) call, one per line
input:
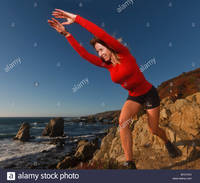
point(124, 123)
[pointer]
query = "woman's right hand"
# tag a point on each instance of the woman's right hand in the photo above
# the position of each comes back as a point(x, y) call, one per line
point(57, 26)
point(58, 13)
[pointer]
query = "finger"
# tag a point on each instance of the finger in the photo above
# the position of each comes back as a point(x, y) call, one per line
point(55, 23)
point(57, 13)
point(52, 22)
point(56, 20)
point(63, 12)
point(59, 10)
point(65, 23)
point(52, 26)
point(59, 16)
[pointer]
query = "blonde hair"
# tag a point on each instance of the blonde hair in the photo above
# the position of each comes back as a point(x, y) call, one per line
point(95, 40)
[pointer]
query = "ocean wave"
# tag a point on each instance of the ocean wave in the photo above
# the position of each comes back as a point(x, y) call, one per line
point(14, 149)
point(7, 135)
point(36, 127)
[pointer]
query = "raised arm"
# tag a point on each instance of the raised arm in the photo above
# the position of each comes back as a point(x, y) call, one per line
point(93, 28)
point(84, 53)
point(80, 49)
point(101, 34)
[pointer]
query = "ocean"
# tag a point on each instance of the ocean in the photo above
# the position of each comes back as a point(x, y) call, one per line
point(74, 131)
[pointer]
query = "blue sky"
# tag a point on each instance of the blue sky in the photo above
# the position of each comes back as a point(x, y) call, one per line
point(41, 83)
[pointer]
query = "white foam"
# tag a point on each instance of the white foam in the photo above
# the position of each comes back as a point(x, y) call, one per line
point(84, 136)
point(35, 123)
point(38, 127)
point(14, 149)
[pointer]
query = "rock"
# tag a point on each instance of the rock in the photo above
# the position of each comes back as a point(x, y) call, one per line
point(101, 118)
point(194, 98)
point(57, 141)
point(180, 103)
point(91, 119)
point(54, 128)
point(115, 120)
point(69, 161)
point(166, 101)
point(85, 150)
point(10, 166)
point(165, 113)
point(81, 142)
point(83, 119)
point(181, 122)
point(23, 133)
point(106, 142)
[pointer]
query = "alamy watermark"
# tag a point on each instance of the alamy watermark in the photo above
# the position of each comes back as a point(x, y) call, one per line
point(12, 64)
point(123, 6)
point(147, 65)
point(124, 124)
point(80, 85)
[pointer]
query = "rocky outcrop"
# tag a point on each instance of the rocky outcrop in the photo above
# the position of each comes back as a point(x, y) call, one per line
point(108, 117)
point(54, 128)
point(180, 120)
point(86, 149)
point(69, 161)
point(84, 152)
point(181, 86)
point(59, 142)
point(23, 133)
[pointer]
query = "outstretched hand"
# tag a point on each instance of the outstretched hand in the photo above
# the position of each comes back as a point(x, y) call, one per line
point(58, 13)
point(57, 25)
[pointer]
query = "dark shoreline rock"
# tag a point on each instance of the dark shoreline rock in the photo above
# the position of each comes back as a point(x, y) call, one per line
point(83, 153)
point(108, 117)
point(23, 133)
point(54, 128)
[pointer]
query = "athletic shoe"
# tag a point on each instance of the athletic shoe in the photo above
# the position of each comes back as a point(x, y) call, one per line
point(172, 150)
point(129, 165)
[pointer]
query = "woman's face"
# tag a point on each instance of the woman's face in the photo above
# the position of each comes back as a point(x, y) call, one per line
point(103, 52)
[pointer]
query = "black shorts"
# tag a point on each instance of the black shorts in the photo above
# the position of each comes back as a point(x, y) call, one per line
point(149, 100)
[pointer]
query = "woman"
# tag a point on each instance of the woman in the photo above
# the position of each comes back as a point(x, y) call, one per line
point(124, 70)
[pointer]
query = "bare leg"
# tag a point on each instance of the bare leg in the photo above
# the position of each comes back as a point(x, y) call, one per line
point(153, 121)
point(129, 109)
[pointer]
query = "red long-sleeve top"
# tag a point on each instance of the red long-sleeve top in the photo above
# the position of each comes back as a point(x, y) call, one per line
point(127, 73)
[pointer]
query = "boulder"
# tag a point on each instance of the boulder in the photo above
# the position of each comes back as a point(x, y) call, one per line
point(54, 128)
point(86, 149)
point(23, 133)
point(69, 161)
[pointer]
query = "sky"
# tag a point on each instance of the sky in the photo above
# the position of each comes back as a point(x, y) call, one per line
point(46, 69)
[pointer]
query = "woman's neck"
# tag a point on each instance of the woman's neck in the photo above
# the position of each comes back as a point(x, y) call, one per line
point(114, 60)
